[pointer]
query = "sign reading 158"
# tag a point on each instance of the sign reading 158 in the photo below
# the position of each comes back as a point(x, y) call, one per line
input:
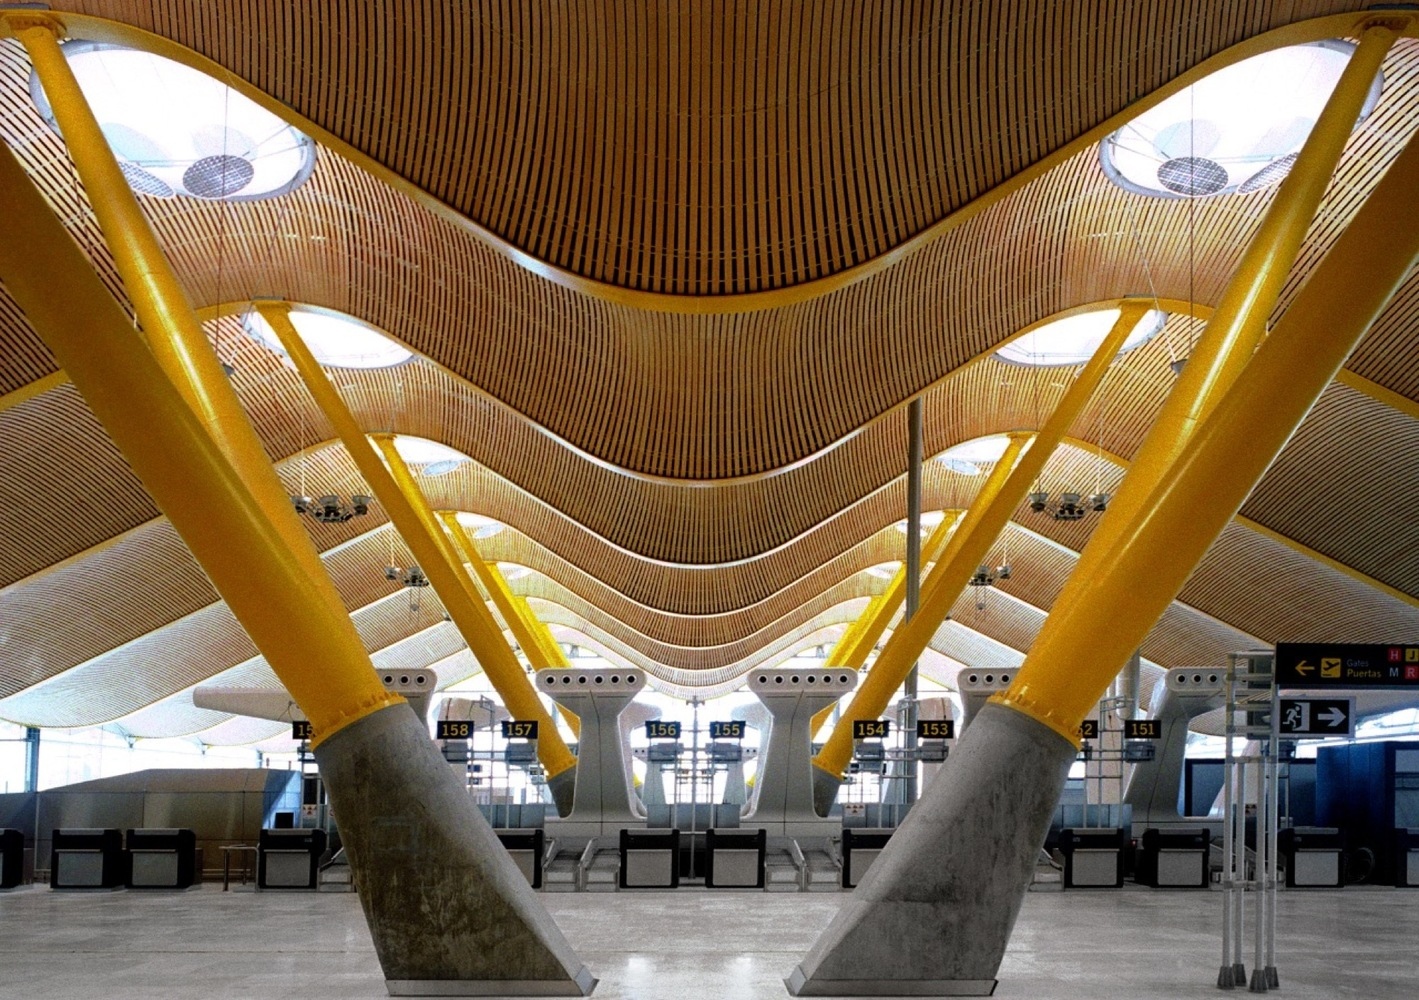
point(449, 729)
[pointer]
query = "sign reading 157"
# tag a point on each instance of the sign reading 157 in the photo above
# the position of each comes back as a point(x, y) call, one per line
point(519, 729)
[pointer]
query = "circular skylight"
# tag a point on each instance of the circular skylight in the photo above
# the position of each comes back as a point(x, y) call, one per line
point(1074, 339)
point(430, 457)
point(929, 520)
point(1238, 129)
point(176, 130)
point(967, 457)
point(482, 527)
point(335, 339)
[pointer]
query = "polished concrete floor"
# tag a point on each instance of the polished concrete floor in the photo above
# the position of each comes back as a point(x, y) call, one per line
point(1130, 943)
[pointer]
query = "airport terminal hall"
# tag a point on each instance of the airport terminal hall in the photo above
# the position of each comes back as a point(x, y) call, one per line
point(705, 500)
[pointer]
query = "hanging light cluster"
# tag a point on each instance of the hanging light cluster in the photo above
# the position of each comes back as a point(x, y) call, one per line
point(332, 508)
point(1069, 506)
point(985, 577)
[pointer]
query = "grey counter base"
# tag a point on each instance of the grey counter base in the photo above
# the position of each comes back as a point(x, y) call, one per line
point(800, 986)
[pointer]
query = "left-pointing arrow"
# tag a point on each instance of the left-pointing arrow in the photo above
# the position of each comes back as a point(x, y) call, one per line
point(1334, 716)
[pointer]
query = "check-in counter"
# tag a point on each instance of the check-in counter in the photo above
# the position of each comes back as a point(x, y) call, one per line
point(12, 859)
point(1093, 857)
point(87, 859)
point(1174, 859)
point(289, 859)
point(650, 859)
point(860, 850)
point(162, 859)
point(1314, 857)
point(526, 848)
point(734, 859)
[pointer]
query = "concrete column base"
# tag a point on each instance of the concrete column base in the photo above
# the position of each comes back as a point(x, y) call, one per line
point(934, 914)
point(825, 790)
point(449, 912)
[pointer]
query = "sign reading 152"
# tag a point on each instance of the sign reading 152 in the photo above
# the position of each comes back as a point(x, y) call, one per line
point(870, 729)
point(519, 729)
point(662, 730)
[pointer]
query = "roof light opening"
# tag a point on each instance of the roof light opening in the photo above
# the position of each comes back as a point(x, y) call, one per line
point(1238, 129)
point(967, 457)
point(335, 339)
point(1073, 340)
point(432, 458)
point(178, 131)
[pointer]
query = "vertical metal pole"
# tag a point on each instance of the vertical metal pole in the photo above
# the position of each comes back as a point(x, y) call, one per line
point(1224, 974)
point(1273, 979)
point(31, 759)
point(909, 690)
point(1239, 845)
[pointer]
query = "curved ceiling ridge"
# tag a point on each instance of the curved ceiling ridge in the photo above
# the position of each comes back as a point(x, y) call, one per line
point(891, 229)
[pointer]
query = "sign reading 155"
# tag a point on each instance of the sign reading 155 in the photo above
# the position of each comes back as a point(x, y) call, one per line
point(662, 730)
point(870, 729)
point(300, 729)
point(519, 729)
point(726, 730)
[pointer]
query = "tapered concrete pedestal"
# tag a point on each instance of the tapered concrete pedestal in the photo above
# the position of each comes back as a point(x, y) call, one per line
point(449, 912)
point(934, 914)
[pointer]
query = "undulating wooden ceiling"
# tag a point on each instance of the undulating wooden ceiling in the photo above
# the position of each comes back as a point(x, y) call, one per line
point(671, 276)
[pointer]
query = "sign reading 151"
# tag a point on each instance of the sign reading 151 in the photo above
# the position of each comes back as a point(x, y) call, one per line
point(870, 729)
point(662, 730)
point(519, 729)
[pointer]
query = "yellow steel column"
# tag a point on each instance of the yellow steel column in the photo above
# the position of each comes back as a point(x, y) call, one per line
point(540, 629)
point(169, 323)
point(401, 498)
point(1008, 485)
point(313, 647)
point(878, 614)
point(1239, 321)
point(1114, 596)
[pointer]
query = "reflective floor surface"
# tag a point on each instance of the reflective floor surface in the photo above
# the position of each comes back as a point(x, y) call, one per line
point(1130, 943)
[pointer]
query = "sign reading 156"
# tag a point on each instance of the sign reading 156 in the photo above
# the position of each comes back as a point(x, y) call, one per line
point(662, 730)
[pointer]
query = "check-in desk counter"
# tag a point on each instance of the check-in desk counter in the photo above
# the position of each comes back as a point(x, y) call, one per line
point(12, 859)
point(1406, 858)
point(734, 859)
point(860, 849)
point(1174, 859)
point(87, 859)
point(1093, 858)
point(1313, 856)
point(162, 859)
point(650, 859)
point(526, 848)
point(288, 859)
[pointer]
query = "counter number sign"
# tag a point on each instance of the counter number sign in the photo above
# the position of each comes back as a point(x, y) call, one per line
point(657, 730)
point(448, 729)
point(1142, 729)
point(1089, 729)
point(936, 729)
point(726, 730)
point(300, 729)
point(519, 729)
point(870, 729)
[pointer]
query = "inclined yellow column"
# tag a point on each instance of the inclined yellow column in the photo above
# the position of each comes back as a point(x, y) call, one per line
point(1115, 596)
point(1009, 483)
point(293, 617)
point(402, 500)
point(168, 321)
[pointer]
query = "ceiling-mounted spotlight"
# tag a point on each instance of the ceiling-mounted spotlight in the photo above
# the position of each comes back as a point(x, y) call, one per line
point(415, 578)
point(1002, 572)
point(1071, 507)
point(1099, 502)
point(302, 504)
point(1038, 502)
point(360, 504)
point(983, 577)
point(331, 508)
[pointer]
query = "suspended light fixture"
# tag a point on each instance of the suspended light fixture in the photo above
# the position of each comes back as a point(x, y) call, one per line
point(332, 508)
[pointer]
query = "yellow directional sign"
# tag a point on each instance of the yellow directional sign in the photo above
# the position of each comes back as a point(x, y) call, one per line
point(1330, 666)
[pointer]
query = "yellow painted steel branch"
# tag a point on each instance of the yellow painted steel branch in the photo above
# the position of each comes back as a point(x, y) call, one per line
point(1009, 483)
point(1115, 596)
point(312, 648)
point(1238, 323)
point(393, 485)
point(165, 314)
point(873, 694)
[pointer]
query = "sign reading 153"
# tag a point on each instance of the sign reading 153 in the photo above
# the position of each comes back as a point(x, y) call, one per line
point(662, 730)
point(936, 729)
point(519, 729)
point(870, 729)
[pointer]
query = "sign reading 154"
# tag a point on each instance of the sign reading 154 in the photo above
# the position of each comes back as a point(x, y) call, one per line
point(519, 729)
point(870, 729)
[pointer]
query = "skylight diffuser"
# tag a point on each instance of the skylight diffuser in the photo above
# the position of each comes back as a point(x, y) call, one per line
point(1074, 339)
point(1238, 129)
point(178, 131)
point(431, 458)
point(335, 339)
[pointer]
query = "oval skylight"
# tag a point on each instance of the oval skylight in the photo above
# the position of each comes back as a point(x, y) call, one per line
point(176, 130)
point(1074, 339)
point(429, 457)
point(967, 457)
point(929, 519)
point(335, 339)
point(482, 527)
point(1238, 129)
